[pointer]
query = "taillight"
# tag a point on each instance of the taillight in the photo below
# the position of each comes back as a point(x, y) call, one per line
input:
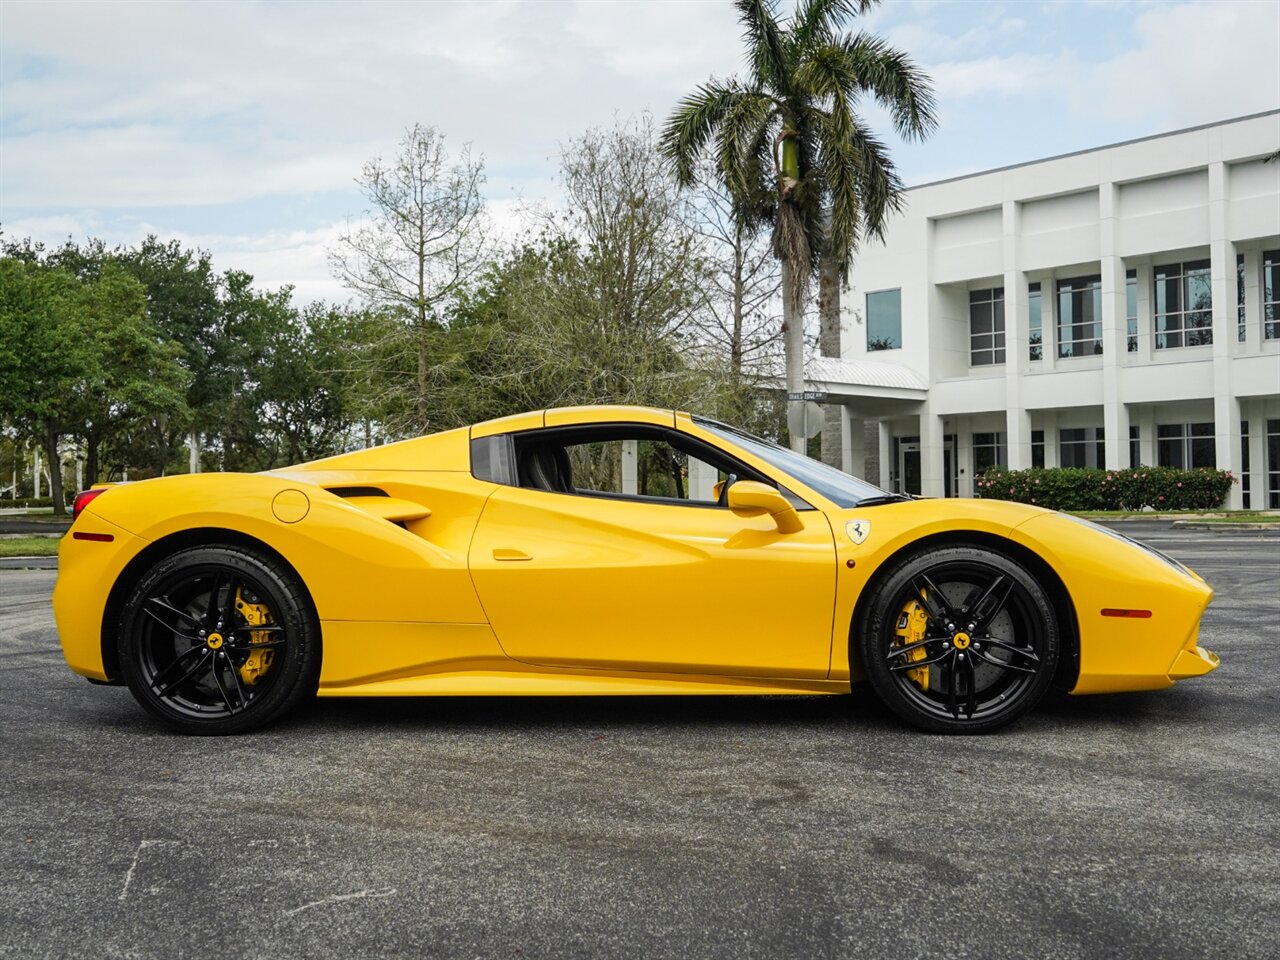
point(83, 500)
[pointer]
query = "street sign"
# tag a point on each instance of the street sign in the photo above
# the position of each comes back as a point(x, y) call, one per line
point(817, 396)
point(805, 419)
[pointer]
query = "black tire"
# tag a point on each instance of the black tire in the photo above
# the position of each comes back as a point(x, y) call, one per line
point(988, 630)
point(189, 650)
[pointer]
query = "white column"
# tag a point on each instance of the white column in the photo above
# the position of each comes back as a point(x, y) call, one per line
point(1115, 418)
point(1222, 273)
point(1051, 438)
point(1147, 435)
point(932, 459)
point(964, 457)
point(1252, 301)
point(702, 480)
point(1048, 320)
point(1018, 422)
point(885, 443)
point(630, 467)
point(1146, 313)
point(1259, 496)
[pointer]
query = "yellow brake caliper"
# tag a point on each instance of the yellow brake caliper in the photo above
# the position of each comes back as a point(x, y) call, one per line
point(259, 661)
point(910, 629)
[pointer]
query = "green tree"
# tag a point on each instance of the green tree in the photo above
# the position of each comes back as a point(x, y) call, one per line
point(790, 145)
point(421, 243)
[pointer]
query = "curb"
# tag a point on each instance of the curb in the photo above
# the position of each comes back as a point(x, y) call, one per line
point(1221, 527)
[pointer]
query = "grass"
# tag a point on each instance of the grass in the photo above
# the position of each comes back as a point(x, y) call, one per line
point(29, 546)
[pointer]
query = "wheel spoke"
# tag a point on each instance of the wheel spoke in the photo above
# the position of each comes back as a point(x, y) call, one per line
point(952, 704)
point(168, 626)
point(264, 628)
point(1001, 663)
point(235, 679)
point(899, 651)
point(911, 665)
point(992, 600)
point(170, 687)
point(1006, 645)
point(222, 689)
point(931, 598)
point(211, 612)
point(971, 703)
point(164, 604)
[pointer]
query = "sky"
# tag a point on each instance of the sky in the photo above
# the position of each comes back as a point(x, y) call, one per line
point(240, 127)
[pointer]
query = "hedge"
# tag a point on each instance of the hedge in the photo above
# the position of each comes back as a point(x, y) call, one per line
point(1073, 488)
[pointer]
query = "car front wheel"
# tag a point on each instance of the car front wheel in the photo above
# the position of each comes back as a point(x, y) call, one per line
point(960, 639)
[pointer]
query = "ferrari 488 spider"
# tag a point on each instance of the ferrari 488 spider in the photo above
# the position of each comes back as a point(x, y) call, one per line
point(603, 550)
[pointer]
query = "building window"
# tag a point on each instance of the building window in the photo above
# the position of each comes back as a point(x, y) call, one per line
point(1135, 447)
point(986, 327)
point(1244, 464)
point(884, 320)
point(1271, 295)
point(1080, 317)
point(1273, 464)
point(1131, 308)
point(1240, 324)
point(1183, 305)
point(1185, 445)
point(1034, 336)
point(989, 451)
point(1037, 448)
point(1082, 447)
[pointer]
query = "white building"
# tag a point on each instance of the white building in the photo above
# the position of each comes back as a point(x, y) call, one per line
point(1112, 307)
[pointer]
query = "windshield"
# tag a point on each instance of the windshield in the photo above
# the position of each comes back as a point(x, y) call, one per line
point(836, 485)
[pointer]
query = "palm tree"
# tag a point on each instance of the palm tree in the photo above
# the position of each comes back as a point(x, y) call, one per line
point(789, 144)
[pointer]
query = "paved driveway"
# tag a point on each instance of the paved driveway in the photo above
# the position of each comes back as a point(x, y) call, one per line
point(1122, 826)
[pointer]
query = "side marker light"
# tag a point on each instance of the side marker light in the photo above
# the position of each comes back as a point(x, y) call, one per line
point(95, 537)
point(1131, 614)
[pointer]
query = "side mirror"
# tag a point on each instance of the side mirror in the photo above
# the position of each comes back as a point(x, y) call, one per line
point(749, 498)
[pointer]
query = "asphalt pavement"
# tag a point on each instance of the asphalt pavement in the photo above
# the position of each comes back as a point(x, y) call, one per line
point(1142, 825)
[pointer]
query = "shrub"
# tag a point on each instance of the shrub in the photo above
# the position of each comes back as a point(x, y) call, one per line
point(1074, 488)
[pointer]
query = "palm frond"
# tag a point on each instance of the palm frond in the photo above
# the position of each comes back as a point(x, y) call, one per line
point(895, 80)
point(693, 123)
point(766, 44)
point(748, 118)
point(816, 21)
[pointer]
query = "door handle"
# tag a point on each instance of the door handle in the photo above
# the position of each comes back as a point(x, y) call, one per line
point(506, 553)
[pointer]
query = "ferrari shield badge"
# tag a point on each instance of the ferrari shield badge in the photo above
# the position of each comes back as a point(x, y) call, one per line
point(858, 530)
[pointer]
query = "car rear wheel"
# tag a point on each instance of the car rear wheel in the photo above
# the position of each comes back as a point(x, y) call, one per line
point(218, 640)
point(960, 639)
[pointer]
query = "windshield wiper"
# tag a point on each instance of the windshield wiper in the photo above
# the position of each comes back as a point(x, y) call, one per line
point(884, 498)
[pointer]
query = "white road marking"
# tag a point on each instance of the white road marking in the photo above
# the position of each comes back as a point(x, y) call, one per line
point(339, 897)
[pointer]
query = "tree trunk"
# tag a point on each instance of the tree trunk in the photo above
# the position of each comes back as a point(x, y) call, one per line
point(424, 406)
point(829, 281)
point(55, 472)
point(739, 293)
point(793, 348)
point(91, 459)
point(193, 448)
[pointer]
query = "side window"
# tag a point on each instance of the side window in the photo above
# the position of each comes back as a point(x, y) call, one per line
point(629, 462)
point(642, 467)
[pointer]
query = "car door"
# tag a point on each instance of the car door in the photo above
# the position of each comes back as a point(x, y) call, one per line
point(648, 572)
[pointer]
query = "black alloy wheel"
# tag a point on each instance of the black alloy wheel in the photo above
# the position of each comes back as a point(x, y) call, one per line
point(219, 640)
point(960, 639)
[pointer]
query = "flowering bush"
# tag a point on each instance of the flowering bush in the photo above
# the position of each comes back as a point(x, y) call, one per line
point(1073, 488)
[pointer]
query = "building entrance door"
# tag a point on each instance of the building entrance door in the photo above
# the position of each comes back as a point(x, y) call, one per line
point(909, 467)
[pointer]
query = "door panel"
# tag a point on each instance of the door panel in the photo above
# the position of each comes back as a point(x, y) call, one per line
point(567, 579)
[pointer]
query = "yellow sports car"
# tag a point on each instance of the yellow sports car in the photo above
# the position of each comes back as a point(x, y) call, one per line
point(603, 550)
